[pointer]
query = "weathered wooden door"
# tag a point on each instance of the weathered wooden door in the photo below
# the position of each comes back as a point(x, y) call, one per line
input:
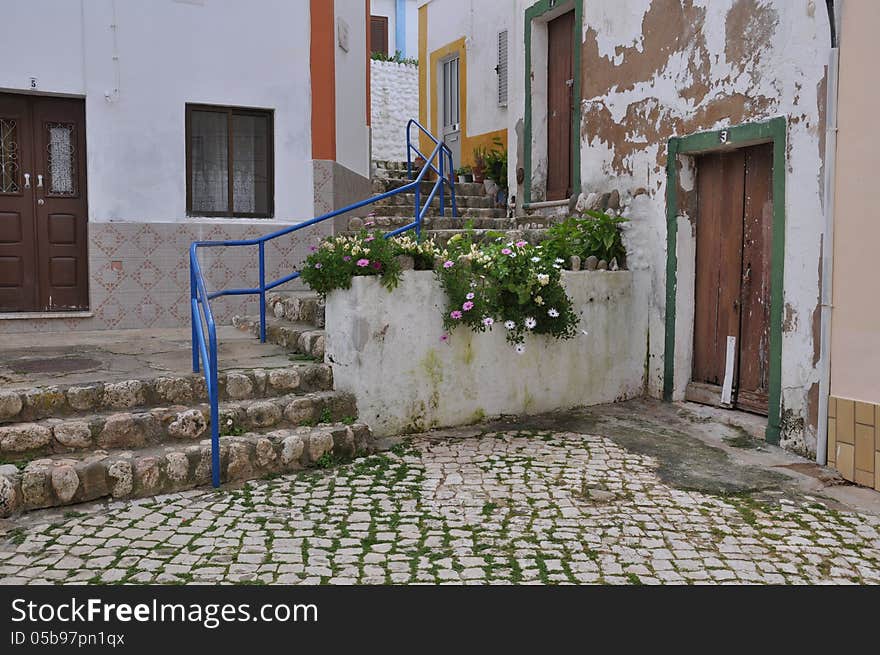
point(43, 209)
point(732, 300)
point(560, 94)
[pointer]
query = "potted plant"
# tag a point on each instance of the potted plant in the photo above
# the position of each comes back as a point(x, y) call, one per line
point(495, 162)
point(479, 167)
point(463, 173)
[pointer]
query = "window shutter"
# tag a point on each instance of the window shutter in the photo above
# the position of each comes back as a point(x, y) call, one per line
point(501, 69)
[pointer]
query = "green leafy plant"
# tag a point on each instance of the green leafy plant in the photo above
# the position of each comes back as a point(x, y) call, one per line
point(596, 233)
point(495, 160)
point(513, 286)
point(397, 58)
point(462, 170)
point(333, 263)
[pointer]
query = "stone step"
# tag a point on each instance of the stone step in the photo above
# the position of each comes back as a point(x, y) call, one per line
point(296, 306)
point(59, 401)
point(296, 337)
point(434, 222)
point(119, 474)
point(462, 189)
point(533, 236)
point(409, 200)
point(409, 210)
point(158, 425)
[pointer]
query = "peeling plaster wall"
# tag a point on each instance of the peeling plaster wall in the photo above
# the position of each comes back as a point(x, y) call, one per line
point(394, 99)
point(653, 69)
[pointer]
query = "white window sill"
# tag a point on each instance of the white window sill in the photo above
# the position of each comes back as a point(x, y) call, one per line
point(11, 316)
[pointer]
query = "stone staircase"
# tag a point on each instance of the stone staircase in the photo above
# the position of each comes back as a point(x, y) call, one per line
point(476, 210)
point(61, 445)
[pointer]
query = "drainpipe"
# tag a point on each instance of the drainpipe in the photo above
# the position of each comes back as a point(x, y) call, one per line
point(828, 236)
point(400, 27)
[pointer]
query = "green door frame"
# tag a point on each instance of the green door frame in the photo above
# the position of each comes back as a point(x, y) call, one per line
point(536, 11)
point(771, 131)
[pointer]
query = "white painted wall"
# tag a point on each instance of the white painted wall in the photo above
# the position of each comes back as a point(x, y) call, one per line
point(169, 53)
point(352, 133)
point(479, 23)
point(394, 99)
point(394, 337)
point(784, 77)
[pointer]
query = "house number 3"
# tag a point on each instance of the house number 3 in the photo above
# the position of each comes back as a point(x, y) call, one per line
point(723, 136)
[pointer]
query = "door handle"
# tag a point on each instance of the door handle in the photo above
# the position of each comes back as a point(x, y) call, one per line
point(27, 180)
point(39, 181)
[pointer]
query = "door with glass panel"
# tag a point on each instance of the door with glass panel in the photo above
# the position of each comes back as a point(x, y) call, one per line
point(450, 131)
point(43, 208)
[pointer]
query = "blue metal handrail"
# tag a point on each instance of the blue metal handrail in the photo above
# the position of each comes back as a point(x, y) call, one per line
point(204, 328)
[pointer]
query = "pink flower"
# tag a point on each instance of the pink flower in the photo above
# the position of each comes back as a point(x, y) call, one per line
point(470, 296)
point(444, 337)
point(318, 265)
point(377, 265)
point(363, 262)
point(448, 264)
point(455, 314)
point(346, 258)
point(313, 248)
point(368, 239)
point(468, 306)
point(521, 244)
point(488, 321)
point(506, 251)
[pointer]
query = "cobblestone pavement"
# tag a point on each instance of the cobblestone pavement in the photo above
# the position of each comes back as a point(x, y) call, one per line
point(513, 506)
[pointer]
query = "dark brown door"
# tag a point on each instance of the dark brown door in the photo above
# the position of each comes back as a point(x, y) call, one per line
point(43, 210)
point(732, 298)
point(560, 94)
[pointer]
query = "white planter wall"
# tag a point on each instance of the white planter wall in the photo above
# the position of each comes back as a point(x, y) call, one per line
point(386, 348)
point(394, 99)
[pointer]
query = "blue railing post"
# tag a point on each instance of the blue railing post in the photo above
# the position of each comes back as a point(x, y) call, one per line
point(442, 181)
point(194, 316)
point(214, 397)
point(262, 292)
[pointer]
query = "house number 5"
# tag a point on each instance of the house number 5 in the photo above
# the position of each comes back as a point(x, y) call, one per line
point(33, 82)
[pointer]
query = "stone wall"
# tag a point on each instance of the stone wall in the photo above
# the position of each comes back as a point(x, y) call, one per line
point(394, 99)
point(386, 349)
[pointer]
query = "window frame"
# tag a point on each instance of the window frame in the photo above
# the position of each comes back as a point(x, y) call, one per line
point(231, 111)
point(387, 38)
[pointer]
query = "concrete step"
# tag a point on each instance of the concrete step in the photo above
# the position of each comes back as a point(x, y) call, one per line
point(295, 337)
point(174, 423)
point(60, 401)
point(62, 480)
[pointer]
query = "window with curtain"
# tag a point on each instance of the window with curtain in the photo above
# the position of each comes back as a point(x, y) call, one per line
point(229, 162)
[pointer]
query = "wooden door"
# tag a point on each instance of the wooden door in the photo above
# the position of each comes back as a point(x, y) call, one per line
point(560, 93)
point(754, 351)
point(43, 209)
point(732, 298)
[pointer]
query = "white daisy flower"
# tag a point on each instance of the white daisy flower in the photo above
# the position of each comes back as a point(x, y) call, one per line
point(559, 260)
point(536, 259)
point(509, 325)
point(519, 348)
point(543, 279)
point(531, 322)
point(552, 313)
